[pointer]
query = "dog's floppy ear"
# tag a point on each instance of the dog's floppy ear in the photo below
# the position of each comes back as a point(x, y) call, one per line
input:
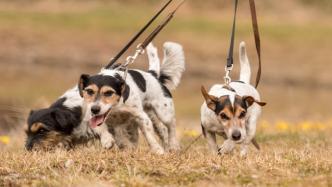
point(249, 100)
point(125, 90)
point(64, 119)
point(82, 83)
point(31, 112)
point(211, 101)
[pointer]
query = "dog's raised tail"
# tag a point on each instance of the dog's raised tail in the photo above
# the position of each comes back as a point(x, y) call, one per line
point(245, 71)
point(154, 61)
point(173, 65)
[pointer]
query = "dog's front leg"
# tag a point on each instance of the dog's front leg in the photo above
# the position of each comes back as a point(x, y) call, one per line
point(226, 147)
point(211, 139)
point(106, 138)
point(146, 127)
point(251, 131)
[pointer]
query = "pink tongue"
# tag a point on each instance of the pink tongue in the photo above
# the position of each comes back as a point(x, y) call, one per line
point(96, 121)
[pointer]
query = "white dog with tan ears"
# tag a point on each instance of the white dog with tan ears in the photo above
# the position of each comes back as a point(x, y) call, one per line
point(232, 111)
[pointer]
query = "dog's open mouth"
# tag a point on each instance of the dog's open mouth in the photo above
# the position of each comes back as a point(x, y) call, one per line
point(97, 120)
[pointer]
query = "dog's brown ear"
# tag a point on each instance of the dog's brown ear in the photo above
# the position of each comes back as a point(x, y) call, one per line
point(250, 100)
point(82, 83)
point(211, 101)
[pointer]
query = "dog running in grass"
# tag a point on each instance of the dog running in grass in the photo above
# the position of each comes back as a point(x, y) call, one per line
point(69, 120)
point(232, 111)
point(146, 93)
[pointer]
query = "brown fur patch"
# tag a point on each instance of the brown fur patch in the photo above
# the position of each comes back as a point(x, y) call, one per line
point(36, 126)
point(52, 139)
point(90, 98)
point(114, 98)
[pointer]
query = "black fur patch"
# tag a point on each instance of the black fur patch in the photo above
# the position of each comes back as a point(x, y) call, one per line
point(153, 73)
point(220, 106)
point(241, 102)
point(166, 91)
point(138, 79)
point(126, 93)
point(203, 130)
point(57, 118)
point(103, 80)
point(162, 80)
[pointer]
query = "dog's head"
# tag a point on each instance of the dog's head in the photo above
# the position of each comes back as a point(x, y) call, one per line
point(100, 94)
point(49, 127)
point(231, 111)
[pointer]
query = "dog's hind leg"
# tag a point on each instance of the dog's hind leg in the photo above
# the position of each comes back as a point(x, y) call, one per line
point(160, 129)
point(146, 127)
point(165, 112)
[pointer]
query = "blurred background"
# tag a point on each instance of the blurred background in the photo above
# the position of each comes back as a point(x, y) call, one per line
point(46, 44)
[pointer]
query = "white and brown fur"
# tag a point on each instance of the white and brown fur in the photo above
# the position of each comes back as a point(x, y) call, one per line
point(66, 122)
point(146, 93)
point(232, 111)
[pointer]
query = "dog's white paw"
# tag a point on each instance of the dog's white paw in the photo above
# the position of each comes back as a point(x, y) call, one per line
point(244, 151)
point(174, 146)
point(226, 147)
point(158, 151)
point(107, 142)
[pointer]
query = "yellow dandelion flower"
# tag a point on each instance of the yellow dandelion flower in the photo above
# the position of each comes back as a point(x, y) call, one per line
point(191, 133)
point(306, 125)
point(282, 125)
point(4, 139)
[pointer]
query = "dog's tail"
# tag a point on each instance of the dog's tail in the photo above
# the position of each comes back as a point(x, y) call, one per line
point(245, 71)
point(173, 65)
point(154, 62)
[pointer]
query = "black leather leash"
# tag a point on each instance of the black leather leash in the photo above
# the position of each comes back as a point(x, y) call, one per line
point(230, 57)
point(138, 34)
point(156, 31)
point(141, 47)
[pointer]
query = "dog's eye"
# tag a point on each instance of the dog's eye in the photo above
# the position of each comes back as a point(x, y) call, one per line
point(242, 114)
point(224, 116)
point(42, 130)
point(90, 92)
point(108, 93)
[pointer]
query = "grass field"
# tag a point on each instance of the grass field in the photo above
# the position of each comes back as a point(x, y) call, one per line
point(47, 44)
point(289, 157)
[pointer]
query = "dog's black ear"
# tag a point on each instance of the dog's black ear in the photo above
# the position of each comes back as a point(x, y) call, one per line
point(65, 120)
point(31, 112)
point(82, 83)
point(249, 100)
point(211, 101)
point(125, 90)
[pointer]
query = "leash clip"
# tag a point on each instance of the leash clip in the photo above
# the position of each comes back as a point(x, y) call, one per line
point(227, 78)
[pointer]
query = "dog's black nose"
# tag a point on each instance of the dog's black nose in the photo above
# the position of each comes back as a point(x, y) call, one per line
point(236, 135)
point(95, 109)
point(28, 146)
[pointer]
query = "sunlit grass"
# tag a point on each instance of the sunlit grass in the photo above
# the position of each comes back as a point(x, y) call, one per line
point(298, 155)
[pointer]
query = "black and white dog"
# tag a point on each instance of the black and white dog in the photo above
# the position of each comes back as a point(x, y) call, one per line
point(146, 93)
point(232, 111)
point(70, 119)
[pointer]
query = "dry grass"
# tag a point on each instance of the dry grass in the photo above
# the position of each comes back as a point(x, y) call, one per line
point(287, 159)
point(46, 45)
